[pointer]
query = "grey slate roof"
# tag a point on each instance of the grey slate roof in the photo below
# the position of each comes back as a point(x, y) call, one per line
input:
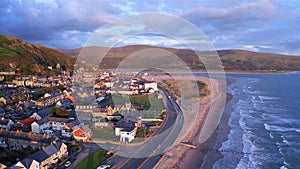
point(126, 125)
point(73, 123)
point(42, 155)
point(4, 121)
point(27, 162)
point(44, 112)
point(53, 119)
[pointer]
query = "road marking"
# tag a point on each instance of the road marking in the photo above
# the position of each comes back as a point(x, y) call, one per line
point(176, 121)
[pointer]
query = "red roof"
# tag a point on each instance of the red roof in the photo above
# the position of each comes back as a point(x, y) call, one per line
point(72, 100)
point(28, 121)
point(79, 133)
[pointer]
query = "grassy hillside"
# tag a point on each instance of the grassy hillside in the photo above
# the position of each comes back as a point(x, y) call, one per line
point(246, 60)
point(233, 60)
point(27, 58)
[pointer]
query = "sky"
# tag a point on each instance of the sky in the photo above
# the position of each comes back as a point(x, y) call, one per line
point(256, 25)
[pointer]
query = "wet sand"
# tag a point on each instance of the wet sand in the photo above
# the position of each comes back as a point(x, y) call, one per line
point(181, 156)
point(206, 154)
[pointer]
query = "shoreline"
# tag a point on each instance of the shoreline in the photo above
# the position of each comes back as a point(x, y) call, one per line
point(210, 149)
point(181, 156)
point(208, 152)
point(205, 72)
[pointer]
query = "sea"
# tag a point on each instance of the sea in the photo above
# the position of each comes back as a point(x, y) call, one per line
point(264, 122)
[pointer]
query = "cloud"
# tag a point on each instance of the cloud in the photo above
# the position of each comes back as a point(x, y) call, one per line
point(37, 21)
point(69, 24)
point(152, 40)
point(261, 10)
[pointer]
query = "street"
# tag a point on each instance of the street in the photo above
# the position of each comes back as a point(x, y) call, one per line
point(169, 131)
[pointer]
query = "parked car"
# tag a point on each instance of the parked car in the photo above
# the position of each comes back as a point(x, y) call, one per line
point(105, 166)
point(110, 153)
point(68, 164)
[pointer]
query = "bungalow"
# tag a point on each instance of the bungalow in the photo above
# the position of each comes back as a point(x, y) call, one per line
point(83, 133)
point(6, 123)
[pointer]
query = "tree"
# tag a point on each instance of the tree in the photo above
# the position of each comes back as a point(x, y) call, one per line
point(59, 112)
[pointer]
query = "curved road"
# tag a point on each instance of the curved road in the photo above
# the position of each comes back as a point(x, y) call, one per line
point(170, 130)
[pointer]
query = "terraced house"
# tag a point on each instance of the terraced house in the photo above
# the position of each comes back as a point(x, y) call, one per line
point(44, 159)
point(20, 140)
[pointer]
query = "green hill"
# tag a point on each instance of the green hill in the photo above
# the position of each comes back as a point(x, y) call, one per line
point(253, 61)
point(27, 58)
point(233, 60)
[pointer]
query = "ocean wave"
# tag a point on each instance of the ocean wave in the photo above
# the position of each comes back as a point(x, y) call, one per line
point(285, 165)
point(279, 128)
point(263, 98)
point(278, 119)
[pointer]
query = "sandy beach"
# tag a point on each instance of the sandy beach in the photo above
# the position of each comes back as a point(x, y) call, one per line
point(181, 156)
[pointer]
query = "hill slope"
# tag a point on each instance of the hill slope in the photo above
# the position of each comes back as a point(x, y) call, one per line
point(27, 58)
point(233, 60)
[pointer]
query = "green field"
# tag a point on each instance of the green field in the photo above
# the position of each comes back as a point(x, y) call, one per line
point(93, 160)
point(149, 102)
point(104, 133)
point(151, 114)
point(190, 88)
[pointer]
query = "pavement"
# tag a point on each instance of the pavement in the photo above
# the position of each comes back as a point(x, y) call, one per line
point(169, 129)
point(151, 150)
point(87, 149)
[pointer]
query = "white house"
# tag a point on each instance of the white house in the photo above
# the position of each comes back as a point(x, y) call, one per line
point(6, 123)
point(127, 135)
point(150, 85)
point(126, 129)
point(53, 123)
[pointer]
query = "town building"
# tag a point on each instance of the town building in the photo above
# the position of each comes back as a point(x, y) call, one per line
point(41, 114)
point(126, 129)
point(53, 123)
point(83, 134)
point(6, 123)
point(45, 158)
point(20, 140)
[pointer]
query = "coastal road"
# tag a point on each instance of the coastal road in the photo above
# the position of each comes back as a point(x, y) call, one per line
point(87, 149)
point(168, 131)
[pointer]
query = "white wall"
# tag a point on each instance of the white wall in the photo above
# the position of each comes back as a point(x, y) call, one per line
point(128, 135)
point(35, 127)
point(152, 85)
point(36, 116)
